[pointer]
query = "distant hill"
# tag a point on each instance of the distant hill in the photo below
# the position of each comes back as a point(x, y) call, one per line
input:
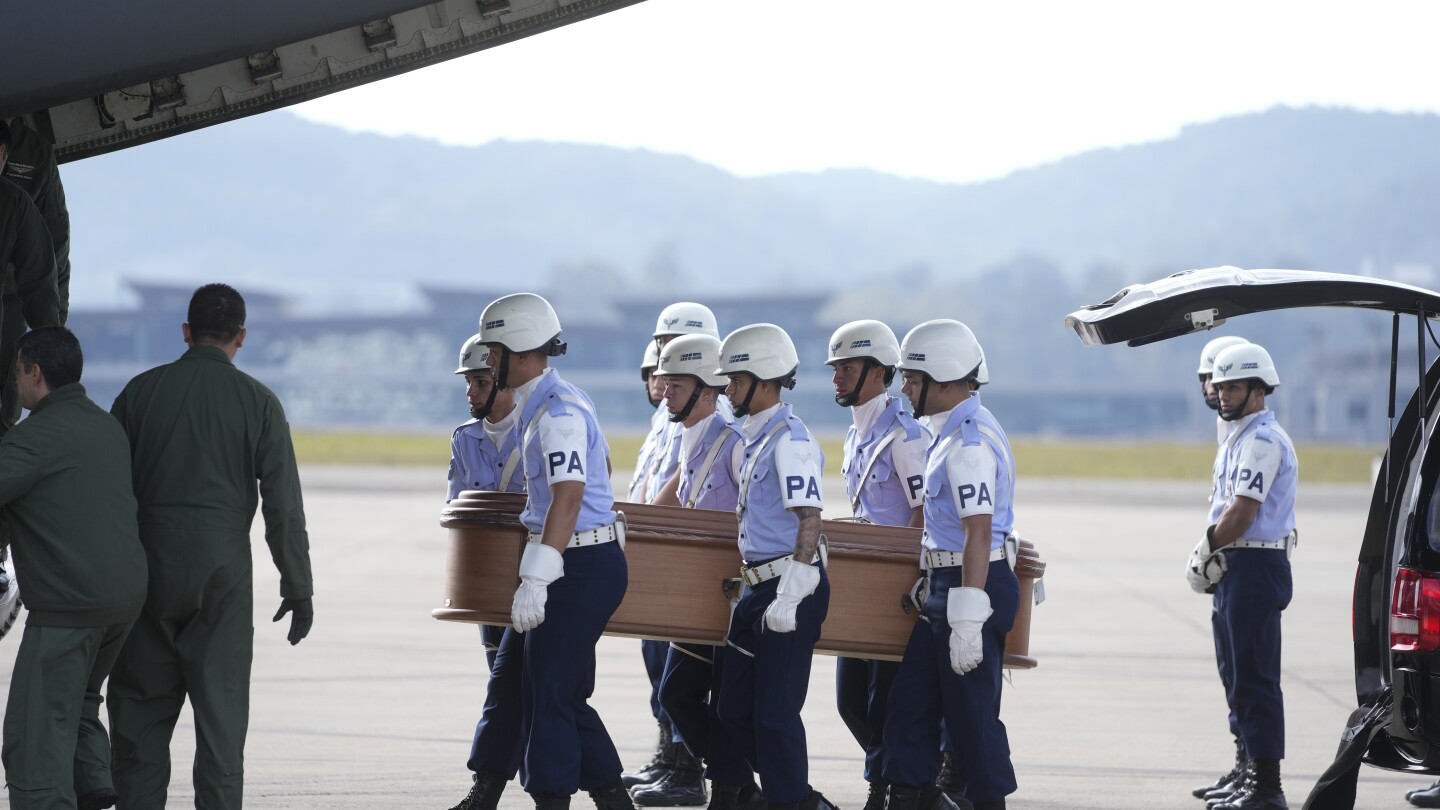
point(356, 220)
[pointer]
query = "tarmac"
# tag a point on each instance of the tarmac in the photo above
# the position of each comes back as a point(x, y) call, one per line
point(376, 708)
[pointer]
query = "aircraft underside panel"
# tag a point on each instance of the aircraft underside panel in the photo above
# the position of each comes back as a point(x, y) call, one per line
point(104, 98)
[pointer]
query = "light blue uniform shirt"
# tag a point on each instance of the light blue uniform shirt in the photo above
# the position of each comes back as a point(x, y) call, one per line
point(969, 471)
point(1258, 461)
point(717, 490)
point(561, 441)
point(895, 480)
point(476, 463)
point(645, 461)
point(778, 473)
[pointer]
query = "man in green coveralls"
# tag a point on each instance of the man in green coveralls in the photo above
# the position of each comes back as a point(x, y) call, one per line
point(29, 290)
point(67, 497)
point(30, 164)
point(202, 433)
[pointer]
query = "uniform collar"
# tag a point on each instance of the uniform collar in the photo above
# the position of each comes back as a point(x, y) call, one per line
point(1243, 423)
point(953, 417)
point(524, 392)
point(757, 423)
point(64, 393)
point(868, 414)
point(208, 352)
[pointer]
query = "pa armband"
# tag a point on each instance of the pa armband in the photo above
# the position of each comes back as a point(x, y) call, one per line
point(563, 441)
point(972, 472)
point(799, 465)
point(1256, 469)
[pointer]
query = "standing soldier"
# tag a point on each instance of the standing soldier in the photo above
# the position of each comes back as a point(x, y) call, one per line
point(31, 166)
point(706, 480)
point(765, 667)
point(1227, 782)
point(202, 434)
point(84, 577)
point(884, 471)
point(1244, 560)
point(952, 665)
point(655, 470)
point(485, 455)
point(573, 572)
point(28, 284)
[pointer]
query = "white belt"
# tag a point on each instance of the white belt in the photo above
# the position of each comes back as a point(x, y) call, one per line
point(1285, 543)
point(769, 570)
point(614, 532)
point(950, 559)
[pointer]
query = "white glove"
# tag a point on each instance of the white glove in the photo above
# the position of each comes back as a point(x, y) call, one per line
point(798, 581)
point(540, 565)
point(1205, 568)
point(966, 610)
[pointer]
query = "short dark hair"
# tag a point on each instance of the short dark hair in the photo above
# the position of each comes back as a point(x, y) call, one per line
point(56, 350)
point(4, 133)
point(217, 314)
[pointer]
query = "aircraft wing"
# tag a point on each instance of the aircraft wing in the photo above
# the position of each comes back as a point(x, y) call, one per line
point(96, 77)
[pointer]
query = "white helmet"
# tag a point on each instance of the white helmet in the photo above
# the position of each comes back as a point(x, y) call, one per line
point(871, 339)
point(651, 359)
point(522, 322)
point(693, 356)
point(472, 355)
point(761, 349)
point(944, 349)
point(1244, 361)
point(982, 374)
point(686, 318)
point(1207, 354)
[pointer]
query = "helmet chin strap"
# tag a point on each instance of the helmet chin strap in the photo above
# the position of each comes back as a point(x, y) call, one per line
point(1236, 413)
point(684, 413)
point(852, 398)
point(501, 379)
point(919, 409)
point(742, 408)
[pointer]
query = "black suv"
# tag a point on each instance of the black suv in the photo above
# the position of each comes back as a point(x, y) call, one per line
point(1396, 611)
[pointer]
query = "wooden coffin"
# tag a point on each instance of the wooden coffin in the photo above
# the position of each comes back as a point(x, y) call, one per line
point(678, 561)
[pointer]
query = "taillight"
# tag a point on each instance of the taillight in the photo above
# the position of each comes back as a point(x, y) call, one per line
point(1415, 612)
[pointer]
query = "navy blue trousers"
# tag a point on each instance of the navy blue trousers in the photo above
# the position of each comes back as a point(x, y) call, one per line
point(498, 740)
point(862, 688)
point(926, 688)
point(1248, 601)
point(566, 745)
point(687, 690)
point(1222, 665)
point(491, 636)
point(654, 654)
point(763, 682)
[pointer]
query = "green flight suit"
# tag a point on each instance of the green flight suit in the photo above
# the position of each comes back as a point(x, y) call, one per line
point(32, 167)
point(201, 433)
point(28, 285)
point(68, 500)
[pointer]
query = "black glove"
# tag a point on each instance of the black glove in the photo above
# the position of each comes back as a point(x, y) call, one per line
point(302, 616)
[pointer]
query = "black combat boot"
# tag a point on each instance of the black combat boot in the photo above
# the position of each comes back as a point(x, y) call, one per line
point(98, 799)
point(1425, 797)
point(662, 763)
point(548, 801)
point(731, 797)
point(1228, 781)
point(879, 792)
point(485, 793)
point(613, 797)
point(815, 801)
point(1261, 790)
point(950, 781)
point(683, 786)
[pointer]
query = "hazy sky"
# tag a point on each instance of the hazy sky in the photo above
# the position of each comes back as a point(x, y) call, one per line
point(944, 89)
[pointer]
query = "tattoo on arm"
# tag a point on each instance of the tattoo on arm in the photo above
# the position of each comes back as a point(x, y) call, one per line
point(808, 536)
